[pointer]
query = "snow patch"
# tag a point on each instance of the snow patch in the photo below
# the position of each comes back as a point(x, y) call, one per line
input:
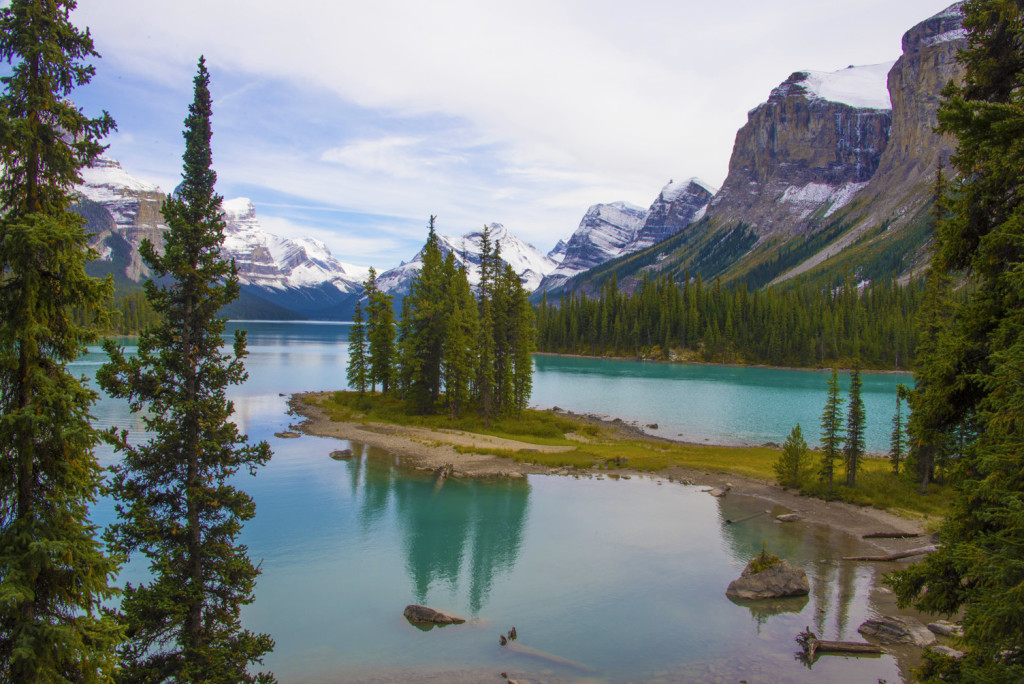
point(814, 195)
point(864, 87)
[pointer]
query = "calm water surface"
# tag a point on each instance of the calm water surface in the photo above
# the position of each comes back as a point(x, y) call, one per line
point(625, 578)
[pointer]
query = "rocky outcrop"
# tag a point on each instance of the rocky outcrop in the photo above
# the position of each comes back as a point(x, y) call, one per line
point(778, 581)
point(892, 629)
point(812, 145)
point(424, 615)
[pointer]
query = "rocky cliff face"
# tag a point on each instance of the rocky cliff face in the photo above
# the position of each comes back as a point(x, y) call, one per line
point(901, 187)
point(813, 144)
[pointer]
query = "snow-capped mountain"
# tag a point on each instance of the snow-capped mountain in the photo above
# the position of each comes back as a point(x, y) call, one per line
point(525, 259)
point(280, 277)
point(611, 230)
point(269, 261)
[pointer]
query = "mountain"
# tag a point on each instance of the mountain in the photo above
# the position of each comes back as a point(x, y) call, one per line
point(611, 230)
point(830, 176)
point(525, 259)
point(280, 277)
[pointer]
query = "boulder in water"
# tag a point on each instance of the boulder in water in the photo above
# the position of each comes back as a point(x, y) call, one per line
point(776, 581)
point(893, 629)
point(424, 615)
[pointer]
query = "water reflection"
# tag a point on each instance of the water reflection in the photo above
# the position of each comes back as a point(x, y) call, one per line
point(461, 531)
point(834, 584)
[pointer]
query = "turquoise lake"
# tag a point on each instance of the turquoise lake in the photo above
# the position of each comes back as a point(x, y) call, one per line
point(624, 578)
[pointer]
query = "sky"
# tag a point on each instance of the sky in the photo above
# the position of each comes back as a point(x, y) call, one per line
point(355, 121)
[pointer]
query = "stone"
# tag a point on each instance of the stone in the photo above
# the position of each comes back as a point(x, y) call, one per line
point(945, 628)
point(652, 426)
point(719, 491)
point(341, 454)
point(947, 651)
point(788, 517)
point(287, 434)
point(892, 629)
point(424, 615)
point(778, 581)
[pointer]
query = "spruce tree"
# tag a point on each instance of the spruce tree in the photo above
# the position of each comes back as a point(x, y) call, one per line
point(54, 575)
point(380, 335)
point(853, 450)
point(485, 347)
point(789, 468)
point(831, 427)
point(174, 500)
point(897, 444)
point(357, 360)
point(973, 390)
point(458, 367)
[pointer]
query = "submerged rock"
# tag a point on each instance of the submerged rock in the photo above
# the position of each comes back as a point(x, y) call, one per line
point(788, 517)
point(778, 581)
point(424, 615)
point(891, 629)
point(287, 434)
point(341, 454)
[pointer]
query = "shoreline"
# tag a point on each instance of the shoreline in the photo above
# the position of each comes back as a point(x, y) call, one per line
point(722, 364)
point(431, 450)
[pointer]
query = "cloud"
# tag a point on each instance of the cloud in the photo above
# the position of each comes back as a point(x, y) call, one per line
point(523, 112)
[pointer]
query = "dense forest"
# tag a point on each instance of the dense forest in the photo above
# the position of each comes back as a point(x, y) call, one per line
point(804, 325)
point(127, 313)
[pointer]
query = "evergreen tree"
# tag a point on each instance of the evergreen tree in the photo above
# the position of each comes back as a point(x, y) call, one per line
point(54, 575)
point(524, 344)
point(423, 347)
point(380, 335)
point(357, 371)
point(896, 439)
point(831, 426)
point(458, 368)
point(789, 468)
point(853, 451)
point(973, 392)
point(175, 503)
point(485, 348)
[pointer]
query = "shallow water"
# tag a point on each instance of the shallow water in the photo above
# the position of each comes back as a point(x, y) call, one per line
point(625, 578)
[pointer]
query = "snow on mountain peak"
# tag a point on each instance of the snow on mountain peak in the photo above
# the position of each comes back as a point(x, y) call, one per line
point(240, 208)
point(863, 87)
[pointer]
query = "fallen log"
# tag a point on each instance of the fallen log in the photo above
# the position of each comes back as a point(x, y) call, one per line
point(892, 535)
point(895, 556)
point(749, 517)
point(517, 647)
point(813, 647)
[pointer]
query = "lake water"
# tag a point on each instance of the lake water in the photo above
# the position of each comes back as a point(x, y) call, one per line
point(625, 578)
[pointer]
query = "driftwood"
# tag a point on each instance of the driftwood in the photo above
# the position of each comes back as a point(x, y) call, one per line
point(892, 535)
point(749, 517)
point(813, 647)
point(895, 556)
point(517, 647)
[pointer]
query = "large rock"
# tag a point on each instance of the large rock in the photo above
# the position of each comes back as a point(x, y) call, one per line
point(891, 629)
point(778, 581)
point(424, 615)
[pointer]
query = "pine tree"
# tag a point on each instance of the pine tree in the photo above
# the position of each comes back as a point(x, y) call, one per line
point(789, 468)
point(423, 347)
point(458, 356)
point(853, 451)
point(974, 391)
point(54, 575)
point(896, 439)
point(485, 347)
point(175, 503)
point(357, 362)
point(831, 425)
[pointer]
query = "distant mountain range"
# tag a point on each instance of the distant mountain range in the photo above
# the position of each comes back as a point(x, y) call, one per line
point(831, 176)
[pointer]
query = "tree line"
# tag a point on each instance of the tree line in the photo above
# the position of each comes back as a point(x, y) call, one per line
point(122, 314)
point(59, 621)
point(450, 350)
point(804, 325)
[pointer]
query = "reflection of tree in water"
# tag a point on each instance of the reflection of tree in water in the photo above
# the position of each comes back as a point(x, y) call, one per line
point(498, 517)
point(812, 547)
point(379, 476)
point(437, 524)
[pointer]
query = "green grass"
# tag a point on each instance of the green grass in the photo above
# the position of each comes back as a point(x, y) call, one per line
point(876, 485)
